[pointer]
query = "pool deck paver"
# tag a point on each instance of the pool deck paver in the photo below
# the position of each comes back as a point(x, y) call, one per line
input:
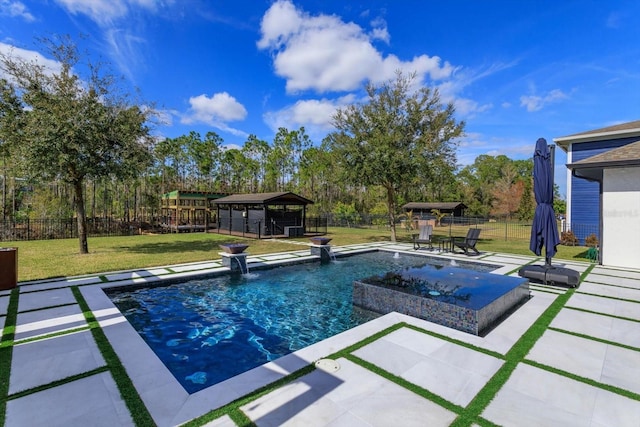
point(596, 336)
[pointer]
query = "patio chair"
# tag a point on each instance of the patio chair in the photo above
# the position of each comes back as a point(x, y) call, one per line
point(426, 232)
point(467, 243)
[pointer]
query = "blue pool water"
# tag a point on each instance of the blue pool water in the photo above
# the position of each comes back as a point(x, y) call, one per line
point(209, 330)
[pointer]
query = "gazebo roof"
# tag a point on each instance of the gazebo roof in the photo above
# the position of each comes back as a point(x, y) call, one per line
point(283, 198)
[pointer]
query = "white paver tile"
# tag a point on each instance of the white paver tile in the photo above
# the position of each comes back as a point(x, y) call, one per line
point(616, 272)
point(453, 372)
point(42, 299)
point(533, 397)
point(42, 362)
point(569, 353)
point(351, 393)
point(622, 368)
point(598, 361)
point(610, 291)
point(609, 306)
point(4, 304)
point(614, 280)
point(47, 321)
point(608, 328)
point(91, 401)
point(224, 421)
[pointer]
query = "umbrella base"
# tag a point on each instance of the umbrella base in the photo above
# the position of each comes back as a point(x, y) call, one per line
point(551, 275)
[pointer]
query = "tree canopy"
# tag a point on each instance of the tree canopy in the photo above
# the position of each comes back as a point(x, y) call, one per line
point(398, 137)
point(73, 127)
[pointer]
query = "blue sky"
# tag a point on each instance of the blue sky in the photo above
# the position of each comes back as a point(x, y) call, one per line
point(516, 70)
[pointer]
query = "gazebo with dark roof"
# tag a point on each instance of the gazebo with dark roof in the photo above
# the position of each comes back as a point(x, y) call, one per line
point(263, 214)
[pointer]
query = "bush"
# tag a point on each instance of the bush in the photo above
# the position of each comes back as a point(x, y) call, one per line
point(591, 241)
point(568, 238)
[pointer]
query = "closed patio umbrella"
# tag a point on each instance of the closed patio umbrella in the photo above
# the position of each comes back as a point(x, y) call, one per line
point(544, 231)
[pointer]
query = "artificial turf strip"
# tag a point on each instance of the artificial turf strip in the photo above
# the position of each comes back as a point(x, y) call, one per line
point(6, 351)
point(52, 335)
point(513, 357)
point(233, 408)
point(635, 301)
point(613, 316)
point(348, 350)
point(456, 342)
point(58, 382)
point(591, 338)
point(137, 409)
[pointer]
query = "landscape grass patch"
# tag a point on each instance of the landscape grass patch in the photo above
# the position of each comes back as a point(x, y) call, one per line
point(42, 259)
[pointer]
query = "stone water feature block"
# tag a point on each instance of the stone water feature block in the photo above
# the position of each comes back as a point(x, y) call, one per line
point(473, 320)
point(322, 251)
point(235, 262)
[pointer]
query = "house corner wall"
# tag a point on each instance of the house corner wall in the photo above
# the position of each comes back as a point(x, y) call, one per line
point(621, 217)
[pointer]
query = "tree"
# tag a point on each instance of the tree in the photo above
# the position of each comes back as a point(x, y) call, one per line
point(398, 134)
point(507, 192)
point(75, 128)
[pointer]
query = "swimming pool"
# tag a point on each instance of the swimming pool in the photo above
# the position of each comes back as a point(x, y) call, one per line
point(209, 330)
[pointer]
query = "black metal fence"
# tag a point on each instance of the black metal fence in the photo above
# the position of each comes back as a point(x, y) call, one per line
point(43, 229)
point(492, 228)
point(47, 229)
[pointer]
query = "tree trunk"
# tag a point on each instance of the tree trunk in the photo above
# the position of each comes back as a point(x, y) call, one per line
point(391, 206)
point(82, 217)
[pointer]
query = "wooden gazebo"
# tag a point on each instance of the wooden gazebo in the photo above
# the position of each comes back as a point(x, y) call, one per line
point(263, 214)
point(188, 210)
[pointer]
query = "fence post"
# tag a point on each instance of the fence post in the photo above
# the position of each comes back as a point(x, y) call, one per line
point(505, 230)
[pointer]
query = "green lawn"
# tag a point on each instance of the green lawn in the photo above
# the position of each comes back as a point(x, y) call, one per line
point(55, 258)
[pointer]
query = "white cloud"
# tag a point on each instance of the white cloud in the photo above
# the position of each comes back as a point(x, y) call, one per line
point(468, 107)
point(15, 9)
point(216, 111)
point(324, 53)
point(315, 115)
point(379, 30)
point(536, 103)
point(30, 56)
point(100, 11)
point(104, 12)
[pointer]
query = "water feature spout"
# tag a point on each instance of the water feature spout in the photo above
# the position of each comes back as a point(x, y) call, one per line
point(242, 263)
point(396, 255)
point(332, 255)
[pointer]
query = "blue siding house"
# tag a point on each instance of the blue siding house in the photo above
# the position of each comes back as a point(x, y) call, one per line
point(583, 196)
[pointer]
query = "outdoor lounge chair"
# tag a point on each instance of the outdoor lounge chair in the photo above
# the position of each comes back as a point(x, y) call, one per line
point(467, 243)
point(424, 237)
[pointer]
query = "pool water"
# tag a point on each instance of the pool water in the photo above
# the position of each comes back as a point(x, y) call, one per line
point(208, 330)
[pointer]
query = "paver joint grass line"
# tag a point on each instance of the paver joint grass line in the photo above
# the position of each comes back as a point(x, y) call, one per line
point(233, 408)
point(613, 316)
point(589, 337)
point(6, 351)
point(589, 381)
point(513, 357)
point(420, 391)
point(52, 335)
point(132, 399)
point(58, 382)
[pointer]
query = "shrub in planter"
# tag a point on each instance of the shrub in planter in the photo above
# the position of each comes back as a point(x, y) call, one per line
point(568, 238)
point(591, 241)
